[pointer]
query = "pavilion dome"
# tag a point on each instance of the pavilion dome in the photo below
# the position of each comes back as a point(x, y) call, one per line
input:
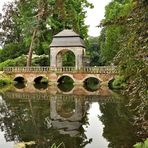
point(67, 38)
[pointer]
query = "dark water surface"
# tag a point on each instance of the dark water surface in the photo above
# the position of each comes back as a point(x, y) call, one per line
point(78, 118)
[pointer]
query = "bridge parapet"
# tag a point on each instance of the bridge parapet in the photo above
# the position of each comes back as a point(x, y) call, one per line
point(90, 70)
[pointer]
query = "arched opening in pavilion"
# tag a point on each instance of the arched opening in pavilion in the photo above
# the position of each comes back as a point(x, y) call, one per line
point(65, 58)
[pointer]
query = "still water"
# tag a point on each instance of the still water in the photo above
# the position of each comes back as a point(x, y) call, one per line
point(78, 118)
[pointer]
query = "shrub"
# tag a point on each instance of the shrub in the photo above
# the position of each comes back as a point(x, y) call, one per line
point(42, 60)
point(20, 61)
point(5, 81)
point(119, 83)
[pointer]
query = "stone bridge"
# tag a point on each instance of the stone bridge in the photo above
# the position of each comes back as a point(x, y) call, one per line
point(103, 73)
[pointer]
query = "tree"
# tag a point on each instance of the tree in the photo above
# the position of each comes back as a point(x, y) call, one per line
point(132, 56)
point(112, 35)
point(93, 50)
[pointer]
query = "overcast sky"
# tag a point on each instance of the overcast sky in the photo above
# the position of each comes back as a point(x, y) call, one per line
point(94, 16)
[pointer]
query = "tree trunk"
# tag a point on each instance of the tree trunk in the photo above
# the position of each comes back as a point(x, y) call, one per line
point(29, 59)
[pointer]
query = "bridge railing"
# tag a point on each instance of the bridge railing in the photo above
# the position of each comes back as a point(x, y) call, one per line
point(99, 69)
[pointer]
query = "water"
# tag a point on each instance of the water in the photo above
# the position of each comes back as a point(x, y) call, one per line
point(77, 118)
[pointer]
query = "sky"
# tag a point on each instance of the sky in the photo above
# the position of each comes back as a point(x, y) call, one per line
point(94, 16)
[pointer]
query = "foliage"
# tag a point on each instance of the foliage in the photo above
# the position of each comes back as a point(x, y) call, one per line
point(61, 145)
point(68, 59)
point(142, 145)
point(112, 35)
point(93, 50)
point(44, 80)
point(132, 56)
point(20, 61)
point(11, 51)
point(42, 60)
point(5, 80)
point(91, 84)
point(119, 83)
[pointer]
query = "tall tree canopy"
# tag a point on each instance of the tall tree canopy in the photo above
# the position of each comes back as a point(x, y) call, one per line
point(111, 35)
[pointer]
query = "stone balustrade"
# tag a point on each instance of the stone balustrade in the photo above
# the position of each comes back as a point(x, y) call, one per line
point(88, 70)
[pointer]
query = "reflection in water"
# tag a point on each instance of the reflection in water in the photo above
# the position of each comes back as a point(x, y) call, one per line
point(93, 130)
point(65, 83)
point(41, 86)
point(65, 107)
point(66, 87)
point(20, 85)
point(77, 121)
point(91, 84)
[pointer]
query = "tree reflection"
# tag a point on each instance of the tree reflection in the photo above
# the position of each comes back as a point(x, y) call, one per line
point(123, 123)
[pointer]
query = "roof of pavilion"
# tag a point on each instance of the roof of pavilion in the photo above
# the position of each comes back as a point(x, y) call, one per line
point(67, 38)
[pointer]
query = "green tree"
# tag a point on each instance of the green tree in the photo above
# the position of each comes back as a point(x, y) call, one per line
point(93, 50)
point(112, 35)
point(133, 53)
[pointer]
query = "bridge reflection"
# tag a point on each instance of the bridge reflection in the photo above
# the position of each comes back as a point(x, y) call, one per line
point(54, 89)
point(45, 115)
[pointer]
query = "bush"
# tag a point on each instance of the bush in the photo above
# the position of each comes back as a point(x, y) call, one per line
point(42, 60)
point(5, 81)
point(119, 83)
point(20, 61)
point(11, 51)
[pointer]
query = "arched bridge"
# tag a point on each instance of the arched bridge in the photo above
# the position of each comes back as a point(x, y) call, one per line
point(103, 73)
